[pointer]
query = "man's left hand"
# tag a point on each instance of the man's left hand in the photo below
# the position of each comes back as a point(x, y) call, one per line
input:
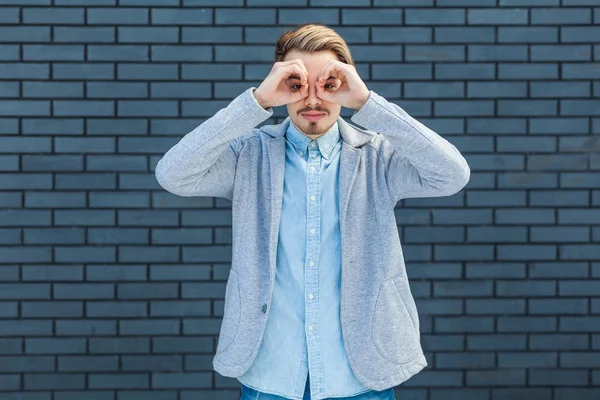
point(339, 83)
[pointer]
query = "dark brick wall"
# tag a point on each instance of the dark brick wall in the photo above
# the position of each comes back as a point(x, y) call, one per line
point(111, 288)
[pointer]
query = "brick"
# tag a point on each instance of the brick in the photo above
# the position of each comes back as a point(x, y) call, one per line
point(83, 291)
point(54, 126)
point(54, 236)
point(111, 273)
point(504, 377)
point(181, 344)
point(9, 52)
point(558, 342)
point(497, 342)
point(85, 328)
point(173, 16)
point(428, 307)
point(107, 309)
point(579, 252)
point(496, 198)
point(147, 34)
point(113, 16)
point(372, 17)
point(579, 107)
point(431, 16)
point(54, 381)
point(402, 71)
point(464, 361)
point(24, 107)
point(441, 52)
point(555, 234)
point(210, 34)
point(118, 381)
point(117, 236)
point(525, 216)
point(111, 90)
point(25, 34)
point(53, 272)
point(85, 181)
point(523, 180)
point(515, 393)
point(84, 34)
point(147, 291)
point(463, 107)
point(464, 252)
point(528, 34)
point(55, 346)
point(464, 324)
point(185, 380)
point(504, 270)
point(46, 52)
point(557, 377)
point(495, 306)
point(149, 327)
point(526, 324)
point(147, 72)
point(121, 345)
point(88, 363)
point(515, 16)
point(558, 306)
point(154, 363)
point(462, 217)
point(181, 236)
point(560, 16)
point(179, 272)
point(224, 16)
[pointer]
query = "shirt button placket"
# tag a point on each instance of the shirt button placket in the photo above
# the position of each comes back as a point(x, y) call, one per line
point(313, 242)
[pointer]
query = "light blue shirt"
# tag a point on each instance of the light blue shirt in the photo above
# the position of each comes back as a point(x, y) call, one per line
point(303, 332)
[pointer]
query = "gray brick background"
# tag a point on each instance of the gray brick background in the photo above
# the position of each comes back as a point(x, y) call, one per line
point(112, 289)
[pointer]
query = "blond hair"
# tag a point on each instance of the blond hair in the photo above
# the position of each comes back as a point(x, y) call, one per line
point(312, 37)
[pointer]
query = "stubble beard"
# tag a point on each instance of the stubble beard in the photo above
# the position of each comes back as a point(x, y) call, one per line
point(314, 129)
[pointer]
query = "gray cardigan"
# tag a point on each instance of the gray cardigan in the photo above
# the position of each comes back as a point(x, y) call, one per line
point(395, 157)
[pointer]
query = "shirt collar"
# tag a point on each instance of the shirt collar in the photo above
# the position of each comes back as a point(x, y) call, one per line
point(325, 142)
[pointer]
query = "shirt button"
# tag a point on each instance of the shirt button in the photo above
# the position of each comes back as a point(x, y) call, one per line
point(311, 263)
point(301, 153)
point(312, 231)
point(312, 197)
point(310, 296)
point(310, 328)
point(313, 144)
point(312, 168)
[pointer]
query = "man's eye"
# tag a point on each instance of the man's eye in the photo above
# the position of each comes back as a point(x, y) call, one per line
point(296, 87)
point(330, 86)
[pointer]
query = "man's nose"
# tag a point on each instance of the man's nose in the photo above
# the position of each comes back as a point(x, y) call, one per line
point(312, 97)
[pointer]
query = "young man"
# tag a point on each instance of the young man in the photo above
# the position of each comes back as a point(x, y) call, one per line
point(318, 287)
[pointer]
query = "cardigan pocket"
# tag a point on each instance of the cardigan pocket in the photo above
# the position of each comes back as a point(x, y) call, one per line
point(231, 313)
point(393, 330)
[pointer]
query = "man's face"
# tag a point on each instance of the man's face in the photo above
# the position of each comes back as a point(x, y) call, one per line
point(312, 127)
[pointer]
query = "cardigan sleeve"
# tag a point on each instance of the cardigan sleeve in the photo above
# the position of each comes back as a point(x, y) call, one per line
point(418, 161)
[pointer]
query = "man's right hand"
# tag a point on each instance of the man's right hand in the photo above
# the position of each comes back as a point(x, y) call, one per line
point(286, 83)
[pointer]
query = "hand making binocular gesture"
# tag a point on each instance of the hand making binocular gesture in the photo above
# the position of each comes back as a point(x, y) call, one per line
point(337, 83)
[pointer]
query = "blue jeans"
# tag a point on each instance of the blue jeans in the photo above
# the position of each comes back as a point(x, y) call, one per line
point(250, 394)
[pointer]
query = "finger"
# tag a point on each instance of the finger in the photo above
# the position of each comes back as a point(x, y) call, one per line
point(294, 69)
point(299, 62)
point(330, 69)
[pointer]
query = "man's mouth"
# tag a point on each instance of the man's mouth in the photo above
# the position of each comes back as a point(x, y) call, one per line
point(313, 116)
